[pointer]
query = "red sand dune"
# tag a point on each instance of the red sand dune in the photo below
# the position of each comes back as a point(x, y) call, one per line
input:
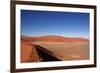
point(52, 38)
point(30, 54)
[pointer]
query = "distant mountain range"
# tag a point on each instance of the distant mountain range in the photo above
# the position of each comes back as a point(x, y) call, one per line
point(53, 38)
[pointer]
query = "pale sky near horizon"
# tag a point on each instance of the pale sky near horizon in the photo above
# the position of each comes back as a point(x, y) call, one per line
point(68, 24)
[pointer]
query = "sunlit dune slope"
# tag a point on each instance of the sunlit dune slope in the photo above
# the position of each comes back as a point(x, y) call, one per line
point(29, 52)
point(65, 48)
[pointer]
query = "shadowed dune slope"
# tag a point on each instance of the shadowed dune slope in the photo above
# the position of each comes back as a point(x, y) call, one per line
point(65, 48)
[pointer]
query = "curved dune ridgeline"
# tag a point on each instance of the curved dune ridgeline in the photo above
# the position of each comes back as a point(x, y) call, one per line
point(29, 53)
point(63, 48)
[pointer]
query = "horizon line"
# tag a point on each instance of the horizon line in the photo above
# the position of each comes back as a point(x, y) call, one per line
point(55, 35)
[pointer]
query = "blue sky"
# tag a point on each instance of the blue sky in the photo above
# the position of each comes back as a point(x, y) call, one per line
point(68, 24)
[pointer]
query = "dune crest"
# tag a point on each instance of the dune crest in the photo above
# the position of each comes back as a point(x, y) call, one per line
point(65, 48)
point(53, 38)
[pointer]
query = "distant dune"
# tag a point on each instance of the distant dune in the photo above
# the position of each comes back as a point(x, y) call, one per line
point(53, 38)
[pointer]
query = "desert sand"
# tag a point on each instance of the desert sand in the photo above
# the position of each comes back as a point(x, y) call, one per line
point(29, 53)
point(64, 48)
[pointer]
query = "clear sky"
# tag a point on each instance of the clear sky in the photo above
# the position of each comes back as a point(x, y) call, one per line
point(68, 24)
